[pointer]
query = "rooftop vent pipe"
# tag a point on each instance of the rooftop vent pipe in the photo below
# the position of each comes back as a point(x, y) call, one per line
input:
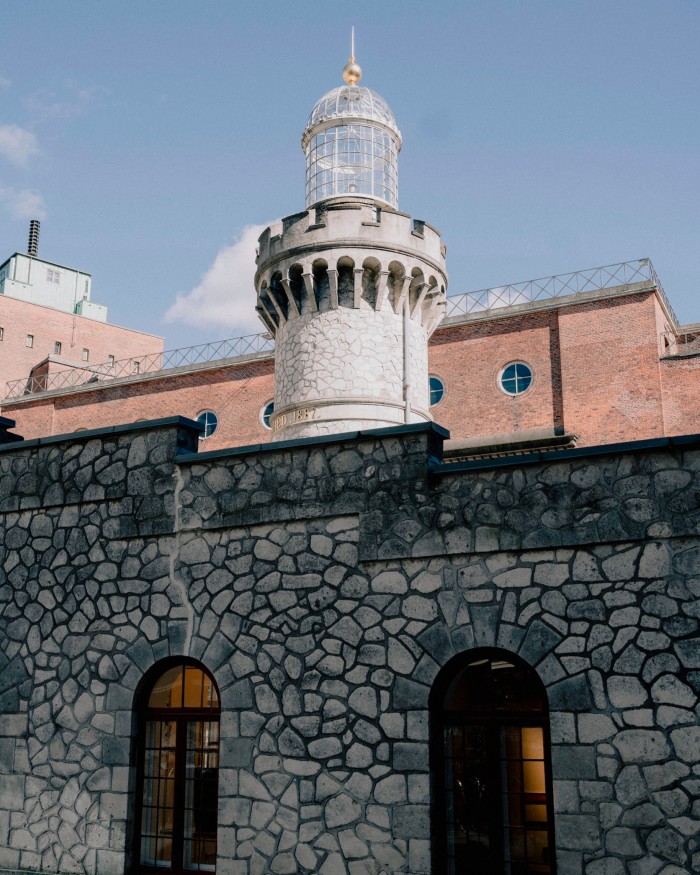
point(33, 245)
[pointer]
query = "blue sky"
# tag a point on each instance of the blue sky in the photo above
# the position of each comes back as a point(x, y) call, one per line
point(540, 137)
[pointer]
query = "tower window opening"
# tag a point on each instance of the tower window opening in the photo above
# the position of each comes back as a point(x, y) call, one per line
point(57, 347)
point(86, 354)
point(29, 342)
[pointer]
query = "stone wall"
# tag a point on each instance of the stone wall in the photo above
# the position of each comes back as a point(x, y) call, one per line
point(324, 584)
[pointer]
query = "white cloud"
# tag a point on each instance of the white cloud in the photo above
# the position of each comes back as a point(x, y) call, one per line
point(17, 144)
point(22, 203)
point(5, 82)
point(225, 297)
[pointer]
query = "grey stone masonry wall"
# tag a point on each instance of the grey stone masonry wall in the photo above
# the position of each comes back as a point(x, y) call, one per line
point(324, 584)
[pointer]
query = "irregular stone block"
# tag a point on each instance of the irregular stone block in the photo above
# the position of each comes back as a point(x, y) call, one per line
point(572, 694)
point(573, 762)
point(540, 639)
point(578, 832)
point(686, 743)
point(412, 821)
point(409, 695)
point(642, 745)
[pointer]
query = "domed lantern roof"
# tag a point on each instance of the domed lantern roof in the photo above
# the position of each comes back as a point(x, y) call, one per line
point(355, 102)
point(351, 142)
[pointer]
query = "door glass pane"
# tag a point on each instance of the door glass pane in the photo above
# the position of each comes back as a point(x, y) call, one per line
point(201, 794)
point(535, 813)
point(533, 742)
point(167, 690)
point(533, 777)
point(199, 689)
point(524, 806)
point(158, 794)
point(467, 802)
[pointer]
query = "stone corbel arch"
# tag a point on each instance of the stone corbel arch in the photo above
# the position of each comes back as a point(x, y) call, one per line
point(535, 645)
point(399, 281)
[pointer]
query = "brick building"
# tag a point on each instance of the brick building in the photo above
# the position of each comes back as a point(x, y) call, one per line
point(48, 324)
point(609, 363)
point(348, 643)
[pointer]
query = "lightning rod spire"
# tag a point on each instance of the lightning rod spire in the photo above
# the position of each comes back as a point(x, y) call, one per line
point(352, 72)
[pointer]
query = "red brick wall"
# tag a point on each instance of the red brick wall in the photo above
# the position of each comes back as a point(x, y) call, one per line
point(680, 383)
point(236, 395)
point(469, 358)
point(596, 370)
point(610, 369)
point(75, 333)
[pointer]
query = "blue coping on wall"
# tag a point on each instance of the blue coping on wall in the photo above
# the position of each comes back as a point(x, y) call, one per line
point(149, 424)
point(684, 440)
point(396, 430)
point(435, 465)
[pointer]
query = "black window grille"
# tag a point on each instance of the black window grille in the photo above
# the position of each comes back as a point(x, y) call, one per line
point(178, 772)
point(492, 774)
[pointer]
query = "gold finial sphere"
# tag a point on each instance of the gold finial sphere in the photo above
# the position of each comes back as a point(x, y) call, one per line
point(352, 72)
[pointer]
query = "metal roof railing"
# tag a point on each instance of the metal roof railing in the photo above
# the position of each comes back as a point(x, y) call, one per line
point(686, 343)
point(70, 378)
point(482, 302)
point(580, 282)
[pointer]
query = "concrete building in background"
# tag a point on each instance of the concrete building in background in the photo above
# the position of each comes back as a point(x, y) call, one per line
point(49, 323)
point(358, 650)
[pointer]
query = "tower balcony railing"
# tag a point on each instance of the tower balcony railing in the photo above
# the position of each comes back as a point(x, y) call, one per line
point(578, 283)
point(482, 302)
point(81, 375)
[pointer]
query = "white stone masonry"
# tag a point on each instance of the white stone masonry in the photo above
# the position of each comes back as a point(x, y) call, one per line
point(351, 294)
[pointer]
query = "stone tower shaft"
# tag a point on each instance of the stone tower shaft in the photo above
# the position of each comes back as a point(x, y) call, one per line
point(351, 294)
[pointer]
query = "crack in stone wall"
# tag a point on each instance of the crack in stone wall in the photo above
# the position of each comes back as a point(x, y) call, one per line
point(175, 579)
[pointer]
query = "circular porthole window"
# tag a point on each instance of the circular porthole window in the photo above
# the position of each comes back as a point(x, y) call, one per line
point(515, 378)
point(437, 390)
point(210, 421)
point(266, 413)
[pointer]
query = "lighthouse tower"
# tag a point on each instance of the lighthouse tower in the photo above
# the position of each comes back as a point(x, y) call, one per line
point(351, 288)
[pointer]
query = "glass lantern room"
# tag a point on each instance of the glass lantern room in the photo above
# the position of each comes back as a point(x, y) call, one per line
point(351, 143)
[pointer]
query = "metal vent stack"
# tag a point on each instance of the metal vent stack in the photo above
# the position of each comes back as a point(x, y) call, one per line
point(33, 245)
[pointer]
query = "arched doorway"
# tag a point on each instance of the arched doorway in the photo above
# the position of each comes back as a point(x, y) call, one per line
point(178, 770)
point(491, 768)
